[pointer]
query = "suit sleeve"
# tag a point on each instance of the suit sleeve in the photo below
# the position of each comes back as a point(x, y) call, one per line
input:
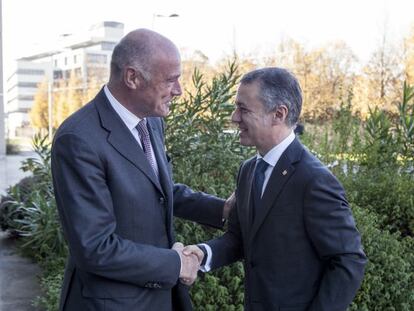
point(331, 228)
point(87, 214)
point(198, 206)
point(228, 248)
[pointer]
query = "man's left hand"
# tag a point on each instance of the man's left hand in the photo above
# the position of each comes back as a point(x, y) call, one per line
point(228, 205)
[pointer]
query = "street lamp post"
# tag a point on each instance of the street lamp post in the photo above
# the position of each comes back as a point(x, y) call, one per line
point(49, 107)
point(2, 118)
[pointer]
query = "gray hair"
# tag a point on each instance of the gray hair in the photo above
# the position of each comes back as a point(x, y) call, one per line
point(277, 87)
point(135, 50)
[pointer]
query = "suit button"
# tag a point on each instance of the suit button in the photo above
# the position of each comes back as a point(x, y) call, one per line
point(162, 201)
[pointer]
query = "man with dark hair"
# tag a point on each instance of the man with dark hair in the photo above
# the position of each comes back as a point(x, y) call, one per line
point(114, 189)
point(291, 225)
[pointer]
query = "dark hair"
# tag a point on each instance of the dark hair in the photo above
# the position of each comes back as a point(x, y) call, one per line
point(277, 87)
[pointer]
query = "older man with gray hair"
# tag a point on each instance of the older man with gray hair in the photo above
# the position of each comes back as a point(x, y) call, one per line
point(114, 189)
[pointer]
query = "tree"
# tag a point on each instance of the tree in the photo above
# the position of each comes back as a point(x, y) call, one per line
point(74, 93)
point(93, 87)
point(409, 57)
point(329, 81)
point(381, 79)
point(325, 75)
point(39, 116)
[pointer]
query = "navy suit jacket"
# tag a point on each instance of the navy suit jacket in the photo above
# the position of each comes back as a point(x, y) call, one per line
point(117, 216)
point(303, 251)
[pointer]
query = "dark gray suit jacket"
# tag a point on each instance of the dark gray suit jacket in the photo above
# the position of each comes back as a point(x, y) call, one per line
point(117, 216)
point(302, 252)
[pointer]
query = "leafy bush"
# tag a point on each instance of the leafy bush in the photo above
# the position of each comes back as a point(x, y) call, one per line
point(29, 212)
point(373, 159)
point(387, 193)
point(384, 179)
point(31, 209)
point(10, 203)
point(51, 283)
point(389, 275)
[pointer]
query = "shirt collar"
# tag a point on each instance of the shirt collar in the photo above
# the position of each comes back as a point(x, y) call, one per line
point(274, 154)
point(130, 120)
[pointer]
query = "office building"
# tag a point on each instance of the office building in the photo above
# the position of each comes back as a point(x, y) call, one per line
point(87, 55)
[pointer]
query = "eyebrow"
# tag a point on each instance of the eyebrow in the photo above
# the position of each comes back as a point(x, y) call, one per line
point(174, 76)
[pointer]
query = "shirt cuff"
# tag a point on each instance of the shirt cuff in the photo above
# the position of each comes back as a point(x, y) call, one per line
point(207, 265)
point(181, 263)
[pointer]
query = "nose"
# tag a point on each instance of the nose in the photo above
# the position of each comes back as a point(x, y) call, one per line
point(235, 116)
point(176, 90)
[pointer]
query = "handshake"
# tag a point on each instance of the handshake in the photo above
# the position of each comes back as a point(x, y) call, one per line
point(191, 257)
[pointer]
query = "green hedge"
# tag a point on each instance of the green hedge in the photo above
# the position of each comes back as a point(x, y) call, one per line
point(389, 276)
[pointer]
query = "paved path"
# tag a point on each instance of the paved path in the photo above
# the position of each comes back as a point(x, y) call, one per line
point(18, 278)
point(18, 275)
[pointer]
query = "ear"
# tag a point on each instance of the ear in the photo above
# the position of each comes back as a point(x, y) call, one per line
point(132, 78)
point(280, 115)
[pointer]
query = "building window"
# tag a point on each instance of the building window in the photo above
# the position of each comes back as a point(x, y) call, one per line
point(56, 63)
point(75, 59)
point(57, 74)
point(34, 72)
point(27, 84)
point(78, 72)
point(96, 58)
point(66, 61)
point(107, 46)
point(23, 84)
point(66, 74)
point(26, 97)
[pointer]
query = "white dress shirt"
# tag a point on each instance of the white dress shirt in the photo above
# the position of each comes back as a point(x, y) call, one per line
point(271, 158)
point(130, 120)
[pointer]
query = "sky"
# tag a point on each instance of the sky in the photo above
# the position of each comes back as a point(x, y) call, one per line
point(215, 27)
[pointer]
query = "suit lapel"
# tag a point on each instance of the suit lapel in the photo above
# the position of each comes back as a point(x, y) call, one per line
point(246, 197)
point(281, 173)
point(165, 179)
point(121, 138)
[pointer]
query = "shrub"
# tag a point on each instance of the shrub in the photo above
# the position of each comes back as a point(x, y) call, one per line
point(51, 283)
point(29, 212)
point(387, 193)
point(389, 275)
point(373, 159)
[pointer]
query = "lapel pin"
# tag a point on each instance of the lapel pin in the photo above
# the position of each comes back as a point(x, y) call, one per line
point(284, 172)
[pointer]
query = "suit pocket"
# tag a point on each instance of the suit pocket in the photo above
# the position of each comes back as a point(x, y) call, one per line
point(93, 286)
point(111, 292)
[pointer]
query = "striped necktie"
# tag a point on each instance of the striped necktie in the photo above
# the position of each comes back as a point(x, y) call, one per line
point(146, 144)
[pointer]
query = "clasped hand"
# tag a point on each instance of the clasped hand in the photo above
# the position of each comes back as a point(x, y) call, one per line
point(191, 257)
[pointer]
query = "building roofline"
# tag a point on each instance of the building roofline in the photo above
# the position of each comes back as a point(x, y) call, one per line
point(39, 55)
